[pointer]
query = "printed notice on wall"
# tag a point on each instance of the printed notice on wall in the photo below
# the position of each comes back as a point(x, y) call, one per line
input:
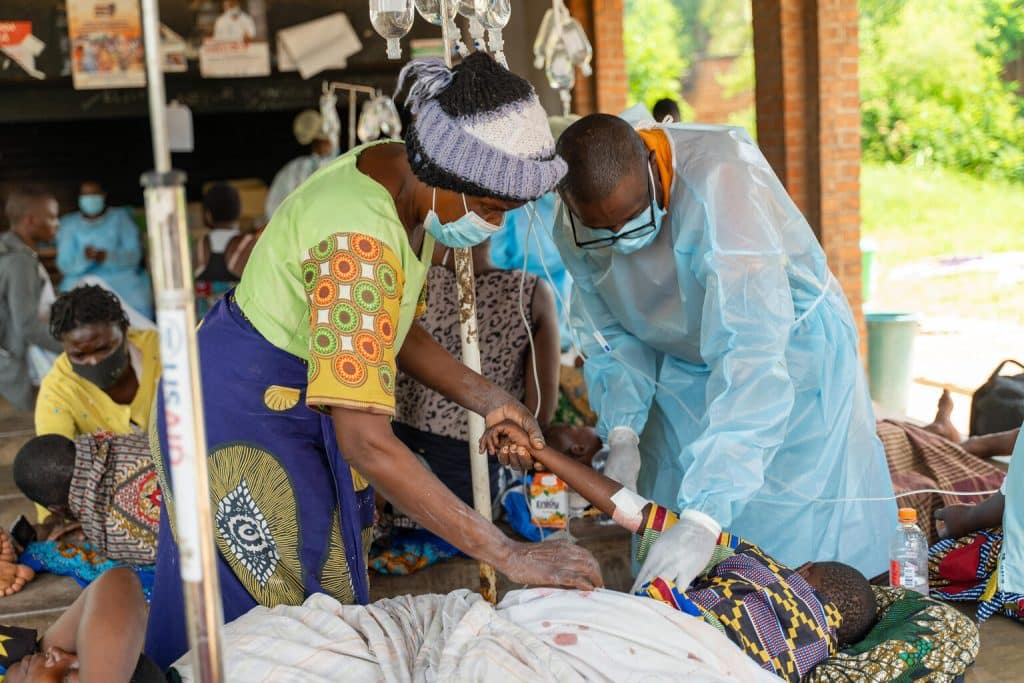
point(235, 44)
point(106, 44)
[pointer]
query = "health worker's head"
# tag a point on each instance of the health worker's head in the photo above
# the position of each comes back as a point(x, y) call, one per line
point(92, 199)
point(612, 182)
point(93, 327)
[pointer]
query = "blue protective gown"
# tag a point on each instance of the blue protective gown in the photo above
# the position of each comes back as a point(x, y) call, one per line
point(761, 402)
point(1011, 563)
point(116, 233)
point(514, 241)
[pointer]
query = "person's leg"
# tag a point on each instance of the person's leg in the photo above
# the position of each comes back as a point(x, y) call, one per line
point(943, 423)
point(13, 576)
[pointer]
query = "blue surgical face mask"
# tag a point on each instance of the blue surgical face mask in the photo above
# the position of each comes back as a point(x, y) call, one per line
point(467, 231)
point(92, 204)
point(627, 245)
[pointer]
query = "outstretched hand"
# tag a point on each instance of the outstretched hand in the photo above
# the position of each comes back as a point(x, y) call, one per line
point(512, 441)
point(552, 563)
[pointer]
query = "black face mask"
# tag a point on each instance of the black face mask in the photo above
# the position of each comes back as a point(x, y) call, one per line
point(105, 373)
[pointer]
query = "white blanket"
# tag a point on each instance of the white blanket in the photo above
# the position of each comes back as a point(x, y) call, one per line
point(533, 636)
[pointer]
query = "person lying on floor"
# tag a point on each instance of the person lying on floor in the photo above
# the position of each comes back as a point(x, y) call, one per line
point(981, 555)
point(786, 621)
point(935, 457)
point(97, 640)
point(105, 482)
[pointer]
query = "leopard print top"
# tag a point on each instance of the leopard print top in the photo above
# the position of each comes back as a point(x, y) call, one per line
point(504, 345)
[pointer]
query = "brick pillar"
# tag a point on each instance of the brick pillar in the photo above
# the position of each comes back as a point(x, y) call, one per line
point(808, 120)
point(606, 90)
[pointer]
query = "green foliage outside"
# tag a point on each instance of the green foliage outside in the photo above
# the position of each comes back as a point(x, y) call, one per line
point(931, 84)
point(931, 71)
point(655, 40)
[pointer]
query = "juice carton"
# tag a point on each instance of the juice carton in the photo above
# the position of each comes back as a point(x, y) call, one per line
point(549, 501)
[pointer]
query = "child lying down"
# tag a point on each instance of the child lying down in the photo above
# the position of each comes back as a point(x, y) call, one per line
point(786, 621)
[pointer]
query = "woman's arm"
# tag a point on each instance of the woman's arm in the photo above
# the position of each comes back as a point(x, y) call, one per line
point(546, 348)
point(426, 361)
point(105, 626)
point(369, 446)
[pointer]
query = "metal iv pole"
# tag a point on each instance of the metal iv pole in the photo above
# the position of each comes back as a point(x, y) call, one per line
point(171, 267)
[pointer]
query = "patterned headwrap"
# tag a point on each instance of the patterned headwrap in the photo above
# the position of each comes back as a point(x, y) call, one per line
point(478, 128)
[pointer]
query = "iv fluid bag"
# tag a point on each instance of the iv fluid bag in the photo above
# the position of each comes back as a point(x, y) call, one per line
point(392, 19)
point(431, 10)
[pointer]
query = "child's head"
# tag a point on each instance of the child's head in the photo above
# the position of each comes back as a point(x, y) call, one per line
point(43, 469)
point(580, 443)
point(849, 591)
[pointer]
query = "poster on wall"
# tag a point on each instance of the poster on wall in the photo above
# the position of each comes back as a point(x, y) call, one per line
point(106, 44)
point(235, 43)
point(19, 45)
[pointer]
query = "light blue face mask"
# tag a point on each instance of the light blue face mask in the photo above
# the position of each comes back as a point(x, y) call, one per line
point(464, 232)
point(92, 204)
point(627, 245)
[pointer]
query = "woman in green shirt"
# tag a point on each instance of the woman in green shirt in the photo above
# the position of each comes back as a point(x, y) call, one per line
point(298, 364)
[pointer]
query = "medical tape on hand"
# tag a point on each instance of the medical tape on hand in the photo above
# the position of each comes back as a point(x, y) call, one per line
point(629, 508)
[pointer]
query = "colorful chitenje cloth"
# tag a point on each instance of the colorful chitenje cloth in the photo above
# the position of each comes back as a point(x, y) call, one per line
point(407, 551)
point(289, 514)
point(80, 560)
point(966, 570)
point(919, 459)
point(116, 496)
point(15, 644)
point(767, 609)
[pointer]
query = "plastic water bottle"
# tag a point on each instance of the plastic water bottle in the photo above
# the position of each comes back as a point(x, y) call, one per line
point(908, 554)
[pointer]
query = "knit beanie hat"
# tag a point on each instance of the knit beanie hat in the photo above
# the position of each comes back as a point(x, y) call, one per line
point(479, 129)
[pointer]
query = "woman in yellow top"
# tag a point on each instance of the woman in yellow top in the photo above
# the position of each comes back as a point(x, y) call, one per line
point(106, 378)
point(299, 362)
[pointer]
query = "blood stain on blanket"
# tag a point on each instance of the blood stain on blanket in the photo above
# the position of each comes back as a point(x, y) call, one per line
point(565, 639)
point(583, 627)
point(690, 655)
point(546, 624)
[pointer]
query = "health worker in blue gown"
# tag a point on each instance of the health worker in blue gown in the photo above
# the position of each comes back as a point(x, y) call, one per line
point(103, 242)
point(721, 354)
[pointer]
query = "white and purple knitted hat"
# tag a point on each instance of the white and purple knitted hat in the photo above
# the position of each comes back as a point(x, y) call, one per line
point(479, 129)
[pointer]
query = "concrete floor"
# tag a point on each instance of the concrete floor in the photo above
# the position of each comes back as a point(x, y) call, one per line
point(1001, 658)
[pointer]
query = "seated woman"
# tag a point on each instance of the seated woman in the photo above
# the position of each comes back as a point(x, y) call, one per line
point(935, 457)
point(981, 555)
point(108, 374)
point(787, 621)
point(436, 428)
point(98, 638)
point(103, 241)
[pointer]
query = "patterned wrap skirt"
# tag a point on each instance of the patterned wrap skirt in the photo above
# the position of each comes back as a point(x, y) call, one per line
point(291, 518)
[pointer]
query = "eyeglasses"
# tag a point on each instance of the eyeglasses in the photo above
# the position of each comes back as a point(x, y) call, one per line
point(602, 242)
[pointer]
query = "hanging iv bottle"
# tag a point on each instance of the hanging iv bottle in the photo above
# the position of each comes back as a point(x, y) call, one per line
point(561, 73)
point(578, 45)
point(392, 19)
point(431, 10)
point(470, 9)
point(540, 43)
point(494, 18)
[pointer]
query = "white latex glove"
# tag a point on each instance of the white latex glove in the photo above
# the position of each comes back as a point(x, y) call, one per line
point(682, 552)
point(623, 457)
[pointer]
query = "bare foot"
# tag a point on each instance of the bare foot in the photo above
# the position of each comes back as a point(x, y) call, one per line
point(13, 576)
point(7, 550)
point(943, 424)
